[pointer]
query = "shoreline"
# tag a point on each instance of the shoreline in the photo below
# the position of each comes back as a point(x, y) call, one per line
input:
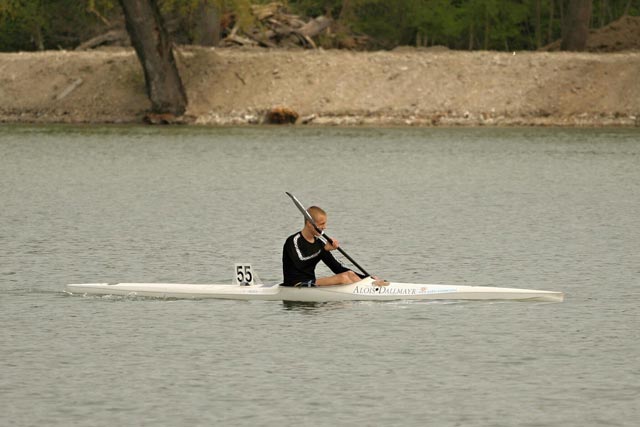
point(404, 87)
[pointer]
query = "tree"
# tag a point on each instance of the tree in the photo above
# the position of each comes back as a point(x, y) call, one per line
point(207, 27)
point(576, 30)
point(154, 49)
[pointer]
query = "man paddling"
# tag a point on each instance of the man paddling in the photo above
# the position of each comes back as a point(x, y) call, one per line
point(304, 250)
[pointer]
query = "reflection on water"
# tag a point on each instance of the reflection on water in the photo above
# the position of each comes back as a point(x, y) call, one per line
point(310, 307)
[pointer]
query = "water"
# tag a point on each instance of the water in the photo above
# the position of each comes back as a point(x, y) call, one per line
point(536, 208)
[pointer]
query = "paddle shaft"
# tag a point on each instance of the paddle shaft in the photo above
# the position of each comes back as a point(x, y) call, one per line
point(309, 218)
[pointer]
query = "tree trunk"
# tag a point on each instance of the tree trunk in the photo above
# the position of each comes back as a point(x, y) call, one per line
point(37, 37)
point(487, 29)
point(550, 30)
point(627, 7)
point(207, 31)
point(538, 20)
point(577, 25)
point(154, 50)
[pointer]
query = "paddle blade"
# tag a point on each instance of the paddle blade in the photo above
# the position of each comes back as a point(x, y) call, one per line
point(301, 208)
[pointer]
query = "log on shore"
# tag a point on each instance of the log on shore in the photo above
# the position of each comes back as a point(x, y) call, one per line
point(113, 37)
point(273, 27)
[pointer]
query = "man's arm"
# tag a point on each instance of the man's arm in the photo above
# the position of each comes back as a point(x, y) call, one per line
point(330, 261)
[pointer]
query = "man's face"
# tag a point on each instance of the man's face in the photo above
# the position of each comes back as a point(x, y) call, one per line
point(321, 222)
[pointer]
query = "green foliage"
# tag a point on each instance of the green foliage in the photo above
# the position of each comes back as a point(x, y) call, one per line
point(437, 22)
point(21, 24)
point(185, 13)
point(47, 24)
point(494, 24)
point(458, 24)
point(318, 7)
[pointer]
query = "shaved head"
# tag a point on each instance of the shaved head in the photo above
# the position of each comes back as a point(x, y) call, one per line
point(316, 213)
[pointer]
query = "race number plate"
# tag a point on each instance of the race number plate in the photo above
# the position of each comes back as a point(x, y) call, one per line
point(243, 275)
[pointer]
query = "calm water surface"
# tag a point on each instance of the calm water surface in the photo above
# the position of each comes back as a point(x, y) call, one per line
point(537, 208)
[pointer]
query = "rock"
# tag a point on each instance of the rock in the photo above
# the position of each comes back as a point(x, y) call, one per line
point(281, 115)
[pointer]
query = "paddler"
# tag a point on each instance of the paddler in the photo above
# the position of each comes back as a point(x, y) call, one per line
point(304, 250)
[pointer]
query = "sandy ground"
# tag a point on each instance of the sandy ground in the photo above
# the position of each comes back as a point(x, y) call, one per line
point(408, 86)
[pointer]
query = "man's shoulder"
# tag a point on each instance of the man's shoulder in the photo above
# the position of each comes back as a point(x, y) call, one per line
point(292, 237)
point(298, 241)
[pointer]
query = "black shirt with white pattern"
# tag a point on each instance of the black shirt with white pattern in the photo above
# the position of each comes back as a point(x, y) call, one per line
point(300, 258)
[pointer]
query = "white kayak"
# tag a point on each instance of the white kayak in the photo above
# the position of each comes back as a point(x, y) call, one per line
point(365, 290)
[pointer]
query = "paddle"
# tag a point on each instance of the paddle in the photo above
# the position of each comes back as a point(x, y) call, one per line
point(322, 233)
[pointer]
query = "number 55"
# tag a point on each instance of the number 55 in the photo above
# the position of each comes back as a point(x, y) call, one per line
point(244, 275)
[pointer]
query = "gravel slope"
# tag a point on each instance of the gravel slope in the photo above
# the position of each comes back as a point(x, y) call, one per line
point(408, 86)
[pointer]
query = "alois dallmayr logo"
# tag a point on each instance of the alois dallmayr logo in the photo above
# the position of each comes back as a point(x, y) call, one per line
point(383, 290)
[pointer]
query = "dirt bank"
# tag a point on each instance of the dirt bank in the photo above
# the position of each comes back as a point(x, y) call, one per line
point(426, 87)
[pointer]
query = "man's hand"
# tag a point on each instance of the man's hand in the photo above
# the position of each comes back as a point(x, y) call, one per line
point(379, 282)
point(332, 247)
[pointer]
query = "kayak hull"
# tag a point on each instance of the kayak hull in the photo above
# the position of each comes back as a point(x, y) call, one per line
point(364, 290)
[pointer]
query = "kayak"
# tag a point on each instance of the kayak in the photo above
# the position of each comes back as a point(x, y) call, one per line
point(367, 289)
